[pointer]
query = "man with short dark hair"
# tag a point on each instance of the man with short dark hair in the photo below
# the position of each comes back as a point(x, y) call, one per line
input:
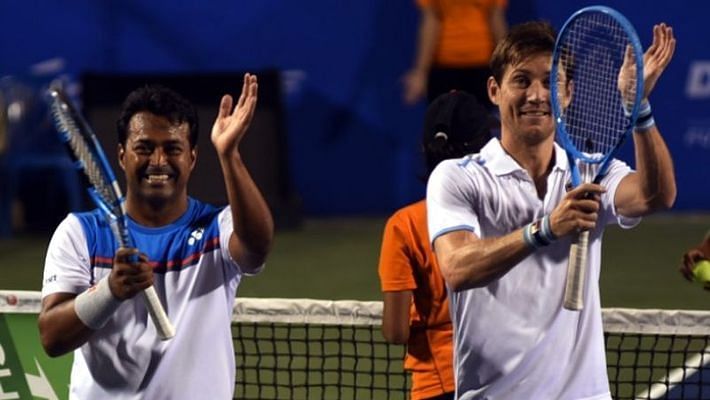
point(194, 254)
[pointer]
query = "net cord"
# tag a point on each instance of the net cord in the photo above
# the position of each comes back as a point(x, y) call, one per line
point(354, 312)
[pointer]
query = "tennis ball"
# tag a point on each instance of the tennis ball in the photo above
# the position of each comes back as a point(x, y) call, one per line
point(701, 271)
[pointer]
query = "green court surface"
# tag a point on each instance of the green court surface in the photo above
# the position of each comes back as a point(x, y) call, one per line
point(337, 259)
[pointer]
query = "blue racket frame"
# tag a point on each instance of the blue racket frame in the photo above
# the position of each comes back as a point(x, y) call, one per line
point(558, 110)
point(115, 212)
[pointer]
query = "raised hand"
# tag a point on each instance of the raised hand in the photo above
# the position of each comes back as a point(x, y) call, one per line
point(655, 60)
point(232, 123)
point(657, 57)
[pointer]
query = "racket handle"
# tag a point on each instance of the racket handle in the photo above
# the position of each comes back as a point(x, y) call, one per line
point(576, 271)
point(157, 314)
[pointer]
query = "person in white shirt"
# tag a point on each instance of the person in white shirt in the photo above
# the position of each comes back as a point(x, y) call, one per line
point(512, 337)
point(194, 254)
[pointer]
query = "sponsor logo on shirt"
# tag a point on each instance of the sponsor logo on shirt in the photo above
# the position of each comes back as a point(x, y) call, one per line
point(195, 236)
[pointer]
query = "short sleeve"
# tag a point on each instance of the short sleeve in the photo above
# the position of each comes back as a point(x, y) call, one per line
point(67, 267)
point(396, 258)
point(226, 228)
point(450, 196)
point(616, 172)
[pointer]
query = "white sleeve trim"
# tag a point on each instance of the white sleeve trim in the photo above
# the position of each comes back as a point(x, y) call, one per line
point(450, 200)
point(453, 229)
point(618, 170)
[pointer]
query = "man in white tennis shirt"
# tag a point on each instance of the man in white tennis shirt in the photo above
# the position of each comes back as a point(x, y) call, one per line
point(193, 253)
point(501, 224)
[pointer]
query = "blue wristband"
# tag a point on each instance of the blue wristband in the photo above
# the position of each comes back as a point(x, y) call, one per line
point(547, 229)
point(534, 235)
point(643, 124)
point(539, 233)
point(645, 118)
point(527, 237)
point(644, 109)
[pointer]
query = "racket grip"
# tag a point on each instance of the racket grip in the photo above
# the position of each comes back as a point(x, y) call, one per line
point(157, 313)
point(576, 271)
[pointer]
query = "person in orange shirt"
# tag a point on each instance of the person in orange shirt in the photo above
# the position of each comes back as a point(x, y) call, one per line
point(416, 311)
point(455, 43)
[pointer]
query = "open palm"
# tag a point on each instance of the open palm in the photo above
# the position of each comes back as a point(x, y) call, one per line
point(232, 123)
point(655, 61)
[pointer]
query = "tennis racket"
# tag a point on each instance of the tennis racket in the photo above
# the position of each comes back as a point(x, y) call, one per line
point(104, 190)
point(595, 106)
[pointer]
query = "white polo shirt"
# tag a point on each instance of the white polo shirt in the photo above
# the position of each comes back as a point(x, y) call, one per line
point(513, 339)
point(196, 281)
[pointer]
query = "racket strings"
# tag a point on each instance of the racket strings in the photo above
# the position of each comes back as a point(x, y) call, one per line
point(595, 48)
point(82, 151)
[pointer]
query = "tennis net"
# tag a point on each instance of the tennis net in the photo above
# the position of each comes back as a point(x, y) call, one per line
point(658, 354)
point(316, 349)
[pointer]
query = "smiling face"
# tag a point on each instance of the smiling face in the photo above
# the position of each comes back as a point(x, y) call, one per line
point(157, 159)
point(523, 97)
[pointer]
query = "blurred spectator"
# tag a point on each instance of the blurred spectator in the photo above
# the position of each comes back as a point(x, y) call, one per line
point(455, 43)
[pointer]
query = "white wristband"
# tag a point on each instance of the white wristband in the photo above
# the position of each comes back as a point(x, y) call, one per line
point(96, 305)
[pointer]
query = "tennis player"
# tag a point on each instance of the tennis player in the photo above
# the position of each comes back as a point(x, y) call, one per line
point(193, 253)
point(416, 309)
point(512, 337)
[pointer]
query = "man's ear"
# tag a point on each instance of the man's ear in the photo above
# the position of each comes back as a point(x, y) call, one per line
point(493, 90)
point(569, 91)
point(121, 152)
point(193, 155)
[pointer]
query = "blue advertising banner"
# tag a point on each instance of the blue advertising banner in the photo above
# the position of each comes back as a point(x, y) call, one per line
point(352, 143)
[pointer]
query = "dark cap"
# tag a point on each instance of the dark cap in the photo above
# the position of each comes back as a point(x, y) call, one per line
point(459, 116)
point(456, 124)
